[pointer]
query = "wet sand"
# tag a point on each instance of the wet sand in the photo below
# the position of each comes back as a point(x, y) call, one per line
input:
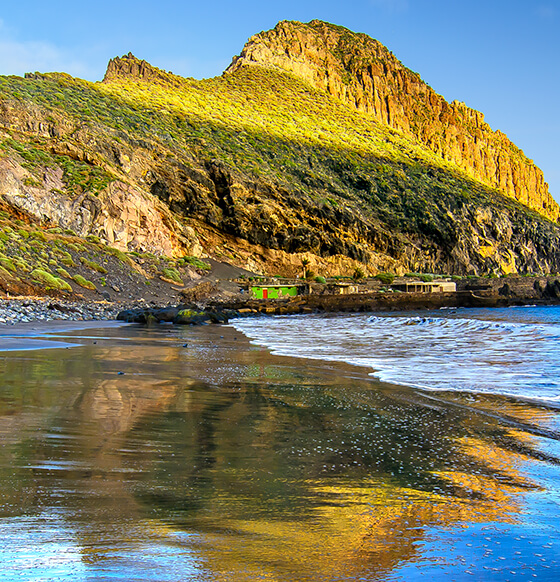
point(39, 334)
point(186, 453)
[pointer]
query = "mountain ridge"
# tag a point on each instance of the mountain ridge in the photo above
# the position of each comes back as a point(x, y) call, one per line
point(362, 72)
point(256, 167)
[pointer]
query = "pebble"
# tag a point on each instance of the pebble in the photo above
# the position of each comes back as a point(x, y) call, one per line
point(24, 310)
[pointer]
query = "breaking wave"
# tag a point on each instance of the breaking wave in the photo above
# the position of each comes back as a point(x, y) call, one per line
point(513, 352)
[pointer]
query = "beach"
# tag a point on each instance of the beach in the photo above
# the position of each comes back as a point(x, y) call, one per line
point(191, 453)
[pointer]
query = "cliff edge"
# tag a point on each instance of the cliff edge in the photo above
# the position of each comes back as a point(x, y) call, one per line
point(364, 74)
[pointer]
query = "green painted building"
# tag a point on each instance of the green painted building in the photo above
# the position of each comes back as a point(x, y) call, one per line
point(275, 291)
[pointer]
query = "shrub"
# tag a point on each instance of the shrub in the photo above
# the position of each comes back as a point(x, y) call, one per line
point(68, 261)
point(320, 279)
point(93, 265)
point(196, 263)
point(50, 281)
point(63, 273)
point(422, 276)
point(7, 263)
point(358, 274)
point(385, 278)
point(82, 282)
point(21, 265)
point(123, 257)
point(39, 235)
point(173, 274)
point(5, 274)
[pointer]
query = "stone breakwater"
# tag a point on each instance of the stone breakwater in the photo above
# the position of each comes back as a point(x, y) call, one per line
point(23, 310)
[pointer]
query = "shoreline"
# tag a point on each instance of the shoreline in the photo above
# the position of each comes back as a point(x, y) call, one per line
point(39, 335)
point(19, 310)
point(32, 309)
point(223, 310)
point(374, 465)
point(44, 334)
point(363, 370)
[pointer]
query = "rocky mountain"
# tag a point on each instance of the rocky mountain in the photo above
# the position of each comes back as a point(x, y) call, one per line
point(363, 73)
point(316, 143)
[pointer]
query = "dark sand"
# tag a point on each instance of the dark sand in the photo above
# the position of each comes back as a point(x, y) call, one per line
point(39, 334)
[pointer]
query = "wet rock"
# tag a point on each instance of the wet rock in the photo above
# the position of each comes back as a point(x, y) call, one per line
point(192, 317)
point(552, 290)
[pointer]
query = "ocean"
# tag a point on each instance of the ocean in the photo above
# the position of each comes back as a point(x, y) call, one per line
point(510, 352)
point(387, 447)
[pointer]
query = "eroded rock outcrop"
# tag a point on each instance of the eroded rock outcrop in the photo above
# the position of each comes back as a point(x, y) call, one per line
point(130, 66)
point(121, 215)
point(363, 73)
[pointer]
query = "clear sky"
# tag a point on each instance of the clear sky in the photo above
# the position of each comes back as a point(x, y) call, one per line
point(501, 57)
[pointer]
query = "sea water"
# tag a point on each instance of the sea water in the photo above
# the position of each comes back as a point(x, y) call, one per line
point(513, 351)
point(178, 453)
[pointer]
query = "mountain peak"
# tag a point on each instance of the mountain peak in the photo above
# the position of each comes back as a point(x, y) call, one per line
point(362, 73)
point(310, 49)
point(130, 67)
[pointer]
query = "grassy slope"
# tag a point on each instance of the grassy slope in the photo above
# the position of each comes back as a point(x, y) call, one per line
point(269, 126)
point(35, 260)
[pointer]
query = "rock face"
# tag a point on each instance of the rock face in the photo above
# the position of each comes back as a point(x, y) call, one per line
point(130, 66)
point(121, 215)
point(364, 74)
point(202, 168)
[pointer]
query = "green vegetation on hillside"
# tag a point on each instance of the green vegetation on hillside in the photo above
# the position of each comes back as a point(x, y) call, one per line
point(33, 258)
point(264, 123)
point(309, 154)
point(77, 176)
point(260, 120)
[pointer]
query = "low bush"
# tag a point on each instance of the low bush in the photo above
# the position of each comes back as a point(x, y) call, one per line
point(196, 263)
point(63, 273)
point(172, 274)
point(93, 265)
point(7, 263)
point(50, 281)
point(385, 278)
point(358, 274)
point(83, 282)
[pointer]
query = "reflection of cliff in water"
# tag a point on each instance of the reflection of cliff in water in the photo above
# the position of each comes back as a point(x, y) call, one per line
point(283, 468)
point(308, 470)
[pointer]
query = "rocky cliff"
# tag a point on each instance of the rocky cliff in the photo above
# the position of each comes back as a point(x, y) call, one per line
point(260, 167)
point(363, 73)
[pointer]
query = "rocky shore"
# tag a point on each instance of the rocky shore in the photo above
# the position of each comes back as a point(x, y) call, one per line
point(27, 309)
point(204, 303)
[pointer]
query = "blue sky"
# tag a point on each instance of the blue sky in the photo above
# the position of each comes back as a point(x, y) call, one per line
point(500, 57)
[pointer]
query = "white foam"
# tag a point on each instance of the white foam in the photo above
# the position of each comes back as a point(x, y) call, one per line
point(510, 352)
